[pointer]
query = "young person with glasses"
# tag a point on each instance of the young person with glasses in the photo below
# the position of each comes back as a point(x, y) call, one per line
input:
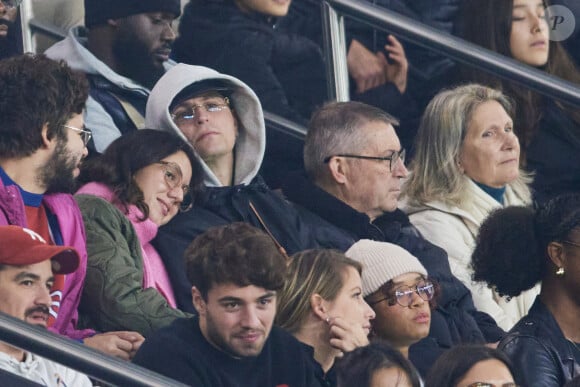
point(222, 120)
point(40, 159)
point(398, 288)
point(139, 183)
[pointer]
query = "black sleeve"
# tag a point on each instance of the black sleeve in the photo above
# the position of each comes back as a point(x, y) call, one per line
point(164, 355)
point(533, 363)
point(171, 242)
point(491, 331)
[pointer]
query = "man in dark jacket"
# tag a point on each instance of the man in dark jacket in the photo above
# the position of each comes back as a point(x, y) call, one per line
point(124, 50)
point(355, 164)
point(222, 119)
point(236, 271)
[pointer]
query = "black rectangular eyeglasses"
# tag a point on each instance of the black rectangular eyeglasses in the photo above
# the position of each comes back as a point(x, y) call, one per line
point(392, 159)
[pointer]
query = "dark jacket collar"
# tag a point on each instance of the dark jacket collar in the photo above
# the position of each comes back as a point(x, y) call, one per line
point(300, 190)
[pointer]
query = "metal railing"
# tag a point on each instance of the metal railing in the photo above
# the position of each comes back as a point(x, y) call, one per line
point(432, 39)
point(285, 126)
point(74, 355)
point(118, 372)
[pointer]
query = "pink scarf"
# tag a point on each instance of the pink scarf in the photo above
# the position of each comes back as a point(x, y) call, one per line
point(154, 273)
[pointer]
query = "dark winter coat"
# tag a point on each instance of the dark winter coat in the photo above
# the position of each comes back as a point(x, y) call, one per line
point(539, 352)
point(455, 320)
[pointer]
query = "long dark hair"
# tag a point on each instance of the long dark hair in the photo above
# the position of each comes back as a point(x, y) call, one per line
point(488, 23)
point(131, 152)
point(453, 364)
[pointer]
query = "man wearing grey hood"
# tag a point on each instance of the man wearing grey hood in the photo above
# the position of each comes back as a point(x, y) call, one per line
point(221, 117)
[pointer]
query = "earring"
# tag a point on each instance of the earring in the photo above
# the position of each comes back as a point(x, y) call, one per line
point(560, 272)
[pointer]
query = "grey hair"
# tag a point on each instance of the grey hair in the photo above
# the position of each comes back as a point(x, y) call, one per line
point(435, 173)
point(334, 129)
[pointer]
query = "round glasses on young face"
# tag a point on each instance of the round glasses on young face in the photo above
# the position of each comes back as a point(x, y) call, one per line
point(393, 158)
point(173, 179)
point(185, 114)
point(404, 295)
point(10, 4)
point(85, 133)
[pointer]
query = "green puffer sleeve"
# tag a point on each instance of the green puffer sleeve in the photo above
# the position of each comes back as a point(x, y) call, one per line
point(113, 296)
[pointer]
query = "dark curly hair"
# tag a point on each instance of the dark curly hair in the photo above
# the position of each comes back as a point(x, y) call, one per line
point(234, 253)
point(454, 363)
point(36, 91)
point(511, 248)
point(131, 152)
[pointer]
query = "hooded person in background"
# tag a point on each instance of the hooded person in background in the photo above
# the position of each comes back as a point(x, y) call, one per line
point(124, 50)
point(222, 119)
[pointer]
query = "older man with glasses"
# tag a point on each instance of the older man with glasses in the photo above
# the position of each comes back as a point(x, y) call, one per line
point(355, 166)
point(222, 119)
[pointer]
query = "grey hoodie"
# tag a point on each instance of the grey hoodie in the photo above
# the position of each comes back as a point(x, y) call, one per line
point(74, 51)
point(251, 141)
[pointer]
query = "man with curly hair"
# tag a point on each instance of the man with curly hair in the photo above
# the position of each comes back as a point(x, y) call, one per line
point(42, 144)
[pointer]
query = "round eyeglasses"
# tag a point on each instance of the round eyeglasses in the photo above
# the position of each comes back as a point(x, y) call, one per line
point(404, 295)
point(85, 133)
point(11, 4)
point(187, 113)
point(173, 179)
point(393, 158)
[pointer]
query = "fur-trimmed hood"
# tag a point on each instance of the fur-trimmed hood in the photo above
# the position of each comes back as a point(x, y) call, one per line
point(251, 141)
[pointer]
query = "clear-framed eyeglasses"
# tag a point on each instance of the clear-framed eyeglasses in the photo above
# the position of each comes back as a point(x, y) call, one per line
point(404, 295)
point(85, 133)
point(174, 178)
point(393, 159)
point(11, 4)
point(185, 114)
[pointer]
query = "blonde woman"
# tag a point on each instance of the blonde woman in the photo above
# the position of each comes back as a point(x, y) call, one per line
point(467, 165)
point(322, 305)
